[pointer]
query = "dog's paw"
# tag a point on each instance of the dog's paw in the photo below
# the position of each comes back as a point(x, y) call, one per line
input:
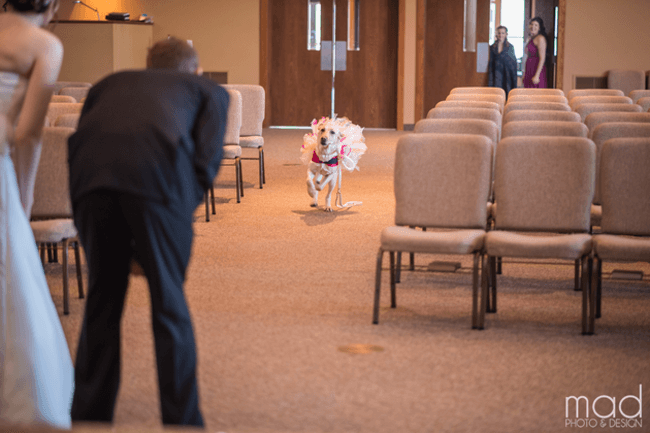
point(313, 205)
point(329, 209)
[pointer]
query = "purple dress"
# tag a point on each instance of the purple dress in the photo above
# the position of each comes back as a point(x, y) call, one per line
point(531, 67)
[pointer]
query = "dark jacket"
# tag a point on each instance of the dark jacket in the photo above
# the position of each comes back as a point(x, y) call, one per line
point(157, 134)
point(502, 67)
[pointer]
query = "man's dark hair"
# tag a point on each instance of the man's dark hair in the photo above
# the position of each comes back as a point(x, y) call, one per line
point(173, 53)
point(38, 6)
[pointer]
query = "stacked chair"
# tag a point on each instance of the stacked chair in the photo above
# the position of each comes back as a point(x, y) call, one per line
point(545, 177)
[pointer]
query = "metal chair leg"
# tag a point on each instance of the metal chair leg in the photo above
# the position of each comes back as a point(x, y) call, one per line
point(66, 294)
point(375, 310)
point(261, 167)
point(237, 179)
point(484, 292)
point(475, 289)
point(207, 206)
point(578, 285)
point(587, 265)
point(599, 288)
point(398, 269)
point(77, 259)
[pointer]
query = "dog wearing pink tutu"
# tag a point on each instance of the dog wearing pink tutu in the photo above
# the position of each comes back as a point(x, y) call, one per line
point(332, 145)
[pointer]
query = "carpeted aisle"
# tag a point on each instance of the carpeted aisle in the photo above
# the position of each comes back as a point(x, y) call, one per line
point(277, 289)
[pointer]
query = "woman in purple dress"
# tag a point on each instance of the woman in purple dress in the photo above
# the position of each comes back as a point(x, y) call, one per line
point(535, 74)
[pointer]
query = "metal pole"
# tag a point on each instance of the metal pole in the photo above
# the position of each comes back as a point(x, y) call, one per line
point(333, 112)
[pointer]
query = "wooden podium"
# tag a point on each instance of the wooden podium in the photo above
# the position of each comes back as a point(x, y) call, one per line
point(95, 49)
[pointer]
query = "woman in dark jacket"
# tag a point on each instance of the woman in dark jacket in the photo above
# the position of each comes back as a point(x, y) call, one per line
point(502, 67)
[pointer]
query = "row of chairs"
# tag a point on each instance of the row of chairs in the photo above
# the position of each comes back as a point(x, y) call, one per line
point(522, 129)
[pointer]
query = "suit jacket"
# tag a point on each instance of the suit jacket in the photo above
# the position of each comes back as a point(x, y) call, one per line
point(155, 133)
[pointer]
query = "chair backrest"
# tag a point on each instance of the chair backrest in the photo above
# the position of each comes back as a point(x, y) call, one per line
point(233, 123)
point(78, 93)
point(68, 120)
point(599, 100)
point(625, 186)
point(595, 119)
point(459, 126)
point(626, 80)
point(55, 109)
point(594, 92)
point(586, 109)
point(533, 105)
point(530, 91)
point(501, 100)
point(467, 113)
point(637, 94)
point(644, 103)
point(62, 98)
point(537, 98)
point(609, 130)
point(252, 97)
point(468, 104)
point(479, 90)
point(61, 84)
point(544, 183)
point(544, 128)
point(551, 115)
point(442, 180)
point(51, 188)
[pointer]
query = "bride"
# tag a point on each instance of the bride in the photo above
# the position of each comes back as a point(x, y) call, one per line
point(36, 374)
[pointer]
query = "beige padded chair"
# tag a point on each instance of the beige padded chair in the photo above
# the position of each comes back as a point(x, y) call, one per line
point(608, 131)
point(597, 118)
point(459, 126)
point(626, 80)
point(231, 149)
point(544, 128)
point(526, 91)
point(594, 92)
point(644, 103)
point(556, 106)
point(250, 136)
point(468, 104)
point(599, 100)
point(625, 193)
point(52, 211)
point(543, 187)
point(61, 84)
point(68, 120)
point(62, 98)
point(441, 183)
point(537, 98)
point(78, 93)
point(55, 109)
point(499, 99)
point(548, 115)
point(586, 109)
point(637, 94)
point(479, 90)
point(466, 113)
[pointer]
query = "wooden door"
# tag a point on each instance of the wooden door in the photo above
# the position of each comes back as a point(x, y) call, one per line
point(446, 65)
point(298, 91)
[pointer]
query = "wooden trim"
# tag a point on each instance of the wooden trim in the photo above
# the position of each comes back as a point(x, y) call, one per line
point(264, 59)
point(419, 59)
point(561, 21)
point(401, 64)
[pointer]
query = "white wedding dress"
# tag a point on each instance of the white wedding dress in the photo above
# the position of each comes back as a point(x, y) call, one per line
point(36, 373)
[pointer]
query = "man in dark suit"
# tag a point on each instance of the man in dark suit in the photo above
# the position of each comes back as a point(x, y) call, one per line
point(148, 145)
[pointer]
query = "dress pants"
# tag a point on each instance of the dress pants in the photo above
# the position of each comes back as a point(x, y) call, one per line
point(111, 224)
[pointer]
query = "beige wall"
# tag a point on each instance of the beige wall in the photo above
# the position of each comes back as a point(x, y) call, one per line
point(605, 34)
point(224, 32)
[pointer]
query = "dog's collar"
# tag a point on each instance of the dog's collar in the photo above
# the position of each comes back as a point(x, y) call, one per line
point(332, 162)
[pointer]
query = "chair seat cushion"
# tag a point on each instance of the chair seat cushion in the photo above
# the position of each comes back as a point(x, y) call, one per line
point(54, 230)
point(254, 141)
point(535, 245)
point(231, 151)
point(624, 248)
point(434, 242)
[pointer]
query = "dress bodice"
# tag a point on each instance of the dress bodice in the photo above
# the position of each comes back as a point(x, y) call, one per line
point(12, 93)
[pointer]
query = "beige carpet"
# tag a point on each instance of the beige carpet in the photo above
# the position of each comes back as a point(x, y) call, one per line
point(277, 288)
